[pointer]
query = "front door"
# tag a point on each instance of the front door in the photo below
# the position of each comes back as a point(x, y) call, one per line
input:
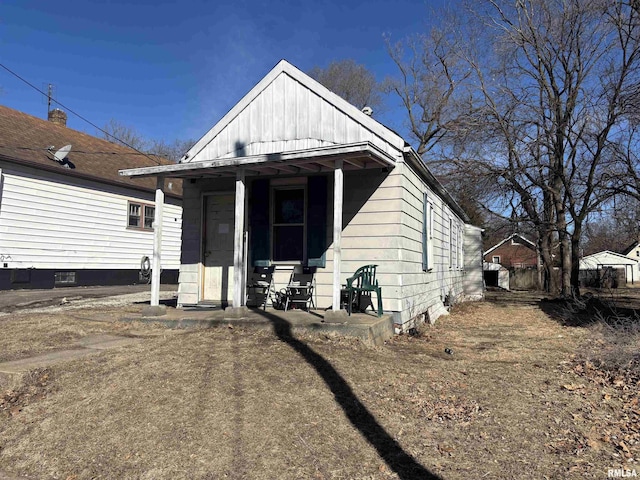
point(217, 285)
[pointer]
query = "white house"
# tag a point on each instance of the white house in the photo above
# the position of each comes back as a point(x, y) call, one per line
point(633, 252)
point(74, 220)
point(295, 175)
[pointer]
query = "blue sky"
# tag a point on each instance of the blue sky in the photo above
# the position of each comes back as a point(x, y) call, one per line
point(171, 70)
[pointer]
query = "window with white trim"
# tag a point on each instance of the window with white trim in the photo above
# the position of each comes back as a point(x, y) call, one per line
point(141, 216)
point(451, 232)
point(495, 259)
point(427, 234)
point(460, 247)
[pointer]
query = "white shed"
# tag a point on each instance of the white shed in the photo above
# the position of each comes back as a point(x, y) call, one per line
point(295, 175)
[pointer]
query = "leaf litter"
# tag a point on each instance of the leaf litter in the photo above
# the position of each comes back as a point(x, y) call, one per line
point(516, 398)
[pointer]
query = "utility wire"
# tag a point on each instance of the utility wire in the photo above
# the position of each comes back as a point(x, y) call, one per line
point(77, 114)
point(85, 152)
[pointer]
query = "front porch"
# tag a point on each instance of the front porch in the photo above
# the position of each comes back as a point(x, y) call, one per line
point(366, 327)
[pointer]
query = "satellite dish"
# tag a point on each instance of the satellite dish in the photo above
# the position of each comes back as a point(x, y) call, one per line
point(62, 153)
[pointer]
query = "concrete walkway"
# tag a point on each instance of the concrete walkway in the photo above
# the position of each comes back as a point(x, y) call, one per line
point(88, 345)
point(14, 300)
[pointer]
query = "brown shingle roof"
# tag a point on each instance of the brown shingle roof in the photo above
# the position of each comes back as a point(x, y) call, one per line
point(24, 139)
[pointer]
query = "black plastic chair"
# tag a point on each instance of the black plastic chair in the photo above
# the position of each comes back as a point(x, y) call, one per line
point(261, 286)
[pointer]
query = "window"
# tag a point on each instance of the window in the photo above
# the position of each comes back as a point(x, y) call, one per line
point(65, 278)
point(495, 259)
point(427, 234)
point(288, 224)
point(460, 247)
point(288, 221)
point(451, 246)
point(141, 216)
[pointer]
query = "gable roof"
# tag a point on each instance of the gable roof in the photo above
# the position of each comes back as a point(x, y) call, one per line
point(288, 122)
point(630, 248)
point(289, 111)
point(607, 257)
point(528, 243)
point(25, 140)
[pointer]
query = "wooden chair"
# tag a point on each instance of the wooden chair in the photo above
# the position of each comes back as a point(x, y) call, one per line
point(363, 280)
point(261, 286)
point(301, 288)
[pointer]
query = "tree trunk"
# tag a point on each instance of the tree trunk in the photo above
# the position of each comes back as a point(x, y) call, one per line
point(575, 260)
point(549, 281)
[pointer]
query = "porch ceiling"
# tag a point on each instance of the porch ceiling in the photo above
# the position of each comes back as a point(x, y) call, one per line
point(355, 156)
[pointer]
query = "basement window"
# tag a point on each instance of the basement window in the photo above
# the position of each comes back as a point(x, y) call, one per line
point(64, 278)
point(141, 216)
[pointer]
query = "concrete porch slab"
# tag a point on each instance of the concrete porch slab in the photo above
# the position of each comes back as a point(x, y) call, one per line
point(366, 327)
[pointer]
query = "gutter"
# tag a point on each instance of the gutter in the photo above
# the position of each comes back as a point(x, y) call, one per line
point(86, 176)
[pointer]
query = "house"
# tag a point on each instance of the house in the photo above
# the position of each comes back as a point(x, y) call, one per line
point(67, 218)
point(633, 252)
point(598, 268)
point(515, 251)
point(295, 175)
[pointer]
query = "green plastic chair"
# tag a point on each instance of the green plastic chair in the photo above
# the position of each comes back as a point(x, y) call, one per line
point(363, 280)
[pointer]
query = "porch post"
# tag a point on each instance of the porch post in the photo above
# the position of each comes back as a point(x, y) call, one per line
point(238, 242)
point(338, 185)
point(156, 264)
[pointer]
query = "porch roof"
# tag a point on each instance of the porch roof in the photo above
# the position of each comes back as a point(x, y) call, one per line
point(355, 156)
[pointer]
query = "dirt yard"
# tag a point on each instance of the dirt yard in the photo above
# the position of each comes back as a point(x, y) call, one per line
point(515, 397)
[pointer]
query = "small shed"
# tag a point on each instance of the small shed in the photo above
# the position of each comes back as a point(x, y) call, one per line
point(495, 275)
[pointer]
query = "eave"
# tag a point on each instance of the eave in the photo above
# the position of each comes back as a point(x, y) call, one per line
point(355, 156)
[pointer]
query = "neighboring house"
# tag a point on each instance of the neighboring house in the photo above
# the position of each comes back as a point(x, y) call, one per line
point(515, 251)
point(295, 175)
point(633, 252)
point(75, 221)
point(592, 266)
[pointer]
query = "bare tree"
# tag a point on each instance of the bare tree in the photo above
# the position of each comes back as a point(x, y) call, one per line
point(434, 85)
point(538, 103)
point(171, 151)
point(351, 81)
point(117, 132)
point(563, 69)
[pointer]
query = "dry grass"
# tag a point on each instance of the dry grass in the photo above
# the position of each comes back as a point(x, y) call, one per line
point(245, 403)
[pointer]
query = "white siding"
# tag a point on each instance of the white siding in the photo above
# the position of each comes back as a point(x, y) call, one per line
point(473, 280)
point(286, 116)
point(370, 235)
point(60, 222)
point(634, 254)
point(424, 293)
point(382, 226)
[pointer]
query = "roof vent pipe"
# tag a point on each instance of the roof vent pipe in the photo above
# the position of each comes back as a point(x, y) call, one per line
point(58, 117)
